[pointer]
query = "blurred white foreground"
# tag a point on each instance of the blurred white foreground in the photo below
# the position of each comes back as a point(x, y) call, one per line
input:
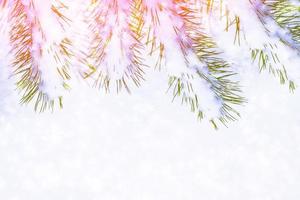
point(143, 147)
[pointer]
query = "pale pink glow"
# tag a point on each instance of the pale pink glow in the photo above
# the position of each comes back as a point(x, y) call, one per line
point(108, 44)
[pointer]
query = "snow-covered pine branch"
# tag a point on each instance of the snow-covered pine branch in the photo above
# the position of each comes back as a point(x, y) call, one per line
point(201, 45)
point(41, 52)
point(114, 55)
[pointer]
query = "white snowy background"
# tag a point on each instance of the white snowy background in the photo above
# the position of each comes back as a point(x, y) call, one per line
point(144, 147)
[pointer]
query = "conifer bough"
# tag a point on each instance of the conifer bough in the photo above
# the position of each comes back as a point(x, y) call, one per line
point(107, 43)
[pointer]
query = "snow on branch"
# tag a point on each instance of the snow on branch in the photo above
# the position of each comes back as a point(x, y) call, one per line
point(200, 44)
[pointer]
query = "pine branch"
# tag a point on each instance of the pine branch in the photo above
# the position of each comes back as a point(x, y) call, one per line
point(286, 13)
point(202, 76)
point(221, 81)
point(28, 39)
point(267, 58)
point(265, 54)
point(115, 53)
point(117, 36)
